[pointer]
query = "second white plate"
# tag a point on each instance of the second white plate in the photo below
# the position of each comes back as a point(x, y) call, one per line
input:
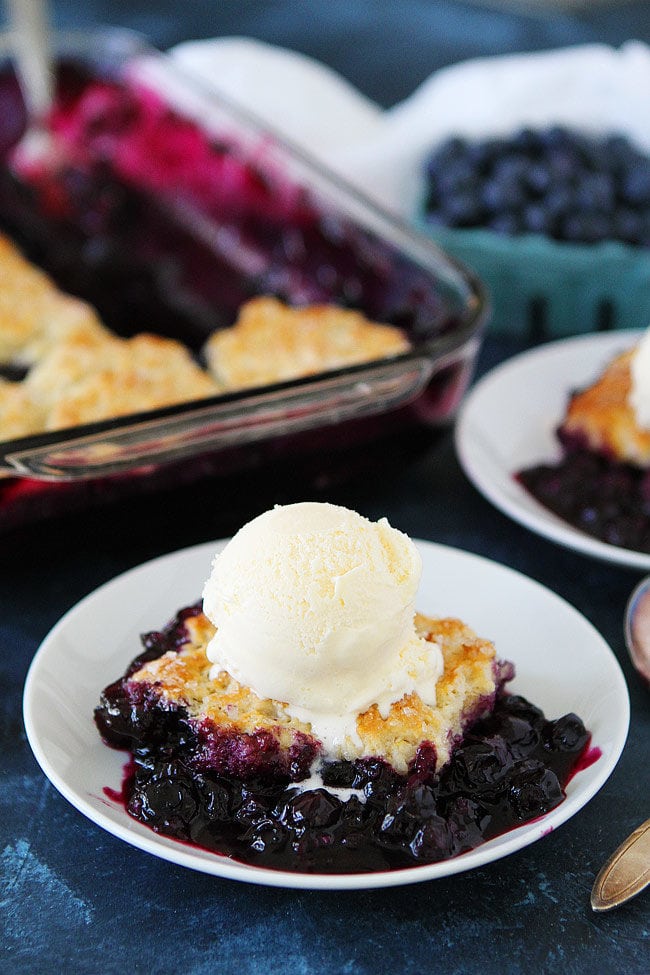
point(508, 422)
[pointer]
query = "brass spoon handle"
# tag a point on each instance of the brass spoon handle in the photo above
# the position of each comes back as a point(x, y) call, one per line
point(626, 873)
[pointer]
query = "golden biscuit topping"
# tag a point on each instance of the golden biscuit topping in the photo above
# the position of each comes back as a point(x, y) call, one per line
point(603, 416)
point(467, 683)
point(80, 372)
point(34, 315)
point(271, 342)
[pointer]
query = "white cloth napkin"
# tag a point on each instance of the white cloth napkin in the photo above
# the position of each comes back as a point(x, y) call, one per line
point(311, 105)
point(593, 88)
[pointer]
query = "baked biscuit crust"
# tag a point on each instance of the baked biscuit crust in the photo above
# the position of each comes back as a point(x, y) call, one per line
point(19, 415)
point(88, 378)
point(602, 419)
point(80, 372)
point(80, 382)
point(272, 342)
point(34, 315)
point(465, 692)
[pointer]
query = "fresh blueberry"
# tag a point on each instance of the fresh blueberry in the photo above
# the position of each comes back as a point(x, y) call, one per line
point(557, 182)
point(635, 185)
point(462, 209)
point(507, 223)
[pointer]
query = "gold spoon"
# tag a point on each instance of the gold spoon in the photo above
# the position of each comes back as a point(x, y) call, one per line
point(626, 873)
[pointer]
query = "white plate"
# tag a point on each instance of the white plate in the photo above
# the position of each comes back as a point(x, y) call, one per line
point(508, 422)
point(93, 643)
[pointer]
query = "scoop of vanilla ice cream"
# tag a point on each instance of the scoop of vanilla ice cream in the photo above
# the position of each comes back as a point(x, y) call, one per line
point(314, 607)
point(639, 398)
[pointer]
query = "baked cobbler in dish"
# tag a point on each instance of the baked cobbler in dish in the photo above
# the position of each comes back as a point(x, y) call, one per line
point(79, 372)
point(298, 782)
point(601, 484)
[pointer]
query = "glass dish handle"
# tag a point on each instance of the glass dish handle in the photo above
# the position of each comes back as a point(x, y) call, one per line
point(230, 422)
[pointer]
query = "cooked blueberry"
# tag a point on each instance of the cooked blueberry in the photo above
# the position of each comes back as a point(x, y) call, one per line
point(468, 822)
point(375, 777)
point(515, 704)
point(567, 734)
point(339, 775)
point(253, 810)
point(433, 841)
point(354, 813)
point(421, 800)
point(398, 825)
point(172, 637)
point(267, 837)
point(534, 790)
point(312, 808)
point(166, 800)
point(521, 737)
point(215, 798)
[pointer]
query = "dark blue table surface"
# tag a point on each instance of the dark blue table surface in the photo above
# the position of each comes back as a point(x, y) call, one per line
point(80, 901)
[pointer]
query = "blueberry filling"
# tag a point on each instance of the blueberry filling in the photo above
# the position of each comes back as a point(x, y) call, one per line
point(597, 495)
point(150, 219)
point(510, 767)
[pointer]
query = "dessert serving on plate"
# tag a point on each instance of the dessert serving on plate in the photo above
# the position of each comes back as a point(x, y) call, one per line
point(601, 484)
point(306, 718)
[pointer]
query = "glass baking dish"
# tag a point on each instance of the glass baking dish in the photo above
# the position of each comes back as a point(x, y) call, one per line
point(157, 245)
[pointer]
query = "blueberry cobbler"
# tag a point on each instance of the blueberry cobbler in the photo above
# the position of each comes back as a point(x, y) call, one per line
point(601, 485)
point(305, 718)
point(74, 370)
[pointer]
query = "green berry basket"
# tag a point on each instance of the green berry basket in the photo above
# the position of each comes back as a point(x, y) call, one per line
point(541, 288)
